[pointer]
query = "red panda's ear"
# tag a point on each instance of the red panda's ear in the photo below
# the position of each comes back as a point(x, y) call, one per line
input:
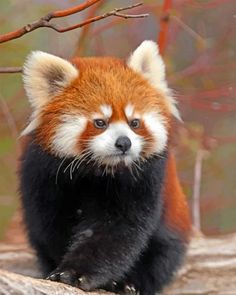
point(147, 61)
point(45, 75)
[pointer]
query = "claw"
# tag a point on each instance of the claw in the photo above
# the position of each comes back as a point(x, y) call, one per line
point(84, 283)
point(114, 284)
point(71, 277)
point(130, 290)
point(81, 280)
point(68, 277)
point(53, 277)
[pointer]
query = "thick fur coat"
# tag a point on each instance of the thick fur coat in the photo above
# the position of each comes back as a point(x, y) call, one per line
point(116, 221)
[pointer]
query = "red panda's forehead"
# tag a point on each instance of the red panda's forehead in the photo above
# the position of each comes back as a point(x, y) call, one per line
point(109, 82)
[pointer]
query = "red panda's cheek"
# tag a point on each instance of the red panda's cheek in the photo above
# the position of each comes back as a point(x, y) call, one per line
point(156, 136)
point(66, 134)
point(147, 139)
point(149, 142)
point(86, 136)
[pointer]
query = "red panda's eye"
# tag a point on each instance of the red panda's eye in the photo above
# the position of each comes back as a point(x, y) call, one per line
point(134, 123)
point(100, 123)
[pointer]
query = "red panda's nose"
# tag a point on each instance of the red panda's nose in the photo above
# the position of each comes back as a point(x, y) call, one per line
point(123, 143)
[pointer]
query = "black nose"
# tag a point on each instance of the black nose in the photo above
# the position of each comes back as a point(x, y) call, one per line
point(123, 143)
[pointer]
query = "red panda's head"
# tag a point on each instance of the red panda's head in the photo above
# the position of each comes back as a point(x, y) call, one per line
point(102, 109)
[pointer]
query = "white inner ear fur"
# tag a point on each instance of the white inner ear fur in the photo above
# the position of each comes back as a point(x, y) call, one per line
point(147, 61)
point(44, 76)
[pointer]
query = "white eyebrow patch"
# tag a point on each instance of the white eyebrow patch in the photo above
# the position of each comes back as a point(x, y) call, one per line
point(95, 116)
point(129, 110)
point(106, 110)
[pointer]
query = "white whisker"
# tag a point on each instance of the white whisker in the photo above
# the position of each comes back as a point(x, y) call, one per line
point(58, 169)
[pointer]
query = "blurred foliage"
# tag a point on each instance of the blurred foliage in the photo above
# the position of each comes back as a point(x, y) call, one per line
point(201, 68)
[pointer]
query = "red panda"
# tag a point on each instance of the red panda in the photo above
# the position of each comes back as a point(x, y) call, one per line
point(102, 201)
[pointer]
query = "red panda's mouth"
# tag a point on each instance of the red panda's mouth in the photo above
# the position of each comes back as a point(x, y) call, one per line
point(121, 155)
point(118, 159)
point(118, 156)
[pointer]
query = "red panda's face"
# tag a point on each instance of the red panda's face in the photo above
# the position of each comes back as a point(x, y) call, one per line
point(100, 109)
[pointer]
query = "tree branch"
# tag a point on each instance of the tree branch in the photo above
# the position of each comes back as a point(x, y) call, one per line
point(9, 118)
point(184, 26)
point(164, 25)
point(10, 70)
point(114, 12)
point(45, 21)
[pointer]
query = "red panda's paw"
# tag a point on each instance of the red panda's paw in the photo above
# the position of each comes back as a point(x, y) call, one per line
point(71, 277)
point(140, 284)
point(130, 289)
point(122, 288)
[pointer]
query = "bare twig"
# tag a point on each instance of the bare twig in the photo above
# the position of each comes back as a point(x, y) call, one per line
point(45, 21)
point(10, 69)
point(72, 10)
point(115, 21)
point(196, 189)
point(189, 30)
point(9, 118)
point(114, 12)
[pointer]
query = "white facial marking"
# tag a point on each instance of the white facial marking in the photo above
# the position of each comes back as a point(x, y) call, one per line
point(129, 110)
point(96, 115)
point(67, 134)
point(155, 124)
point(106, 110)
point(103, 145)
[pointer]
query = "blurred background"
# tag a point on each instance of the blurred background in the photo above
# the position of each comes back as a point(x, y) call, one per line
point(199, 49)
